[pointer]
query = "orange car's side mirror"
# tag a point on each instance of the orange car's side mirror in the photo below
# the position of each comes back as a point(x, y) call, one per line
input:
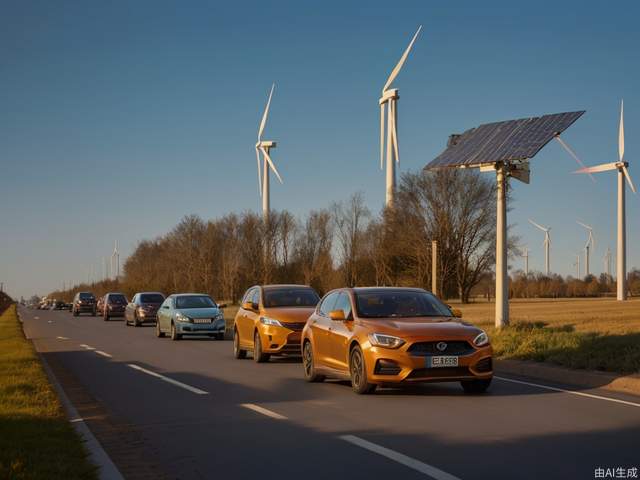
point(456, 312)
point(247, 305)
point(337, 315)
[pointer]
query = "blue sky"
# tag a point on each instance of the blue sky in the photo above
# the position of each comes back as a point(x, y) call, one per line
point(118, 118)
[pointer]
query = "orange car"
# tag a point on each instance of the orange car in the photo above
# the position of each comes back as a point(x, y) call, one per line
point(375, 336)
point(270, 320)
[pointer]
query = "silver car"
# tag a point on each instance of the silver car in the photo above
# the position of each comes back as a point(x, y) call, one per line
point(190, 314)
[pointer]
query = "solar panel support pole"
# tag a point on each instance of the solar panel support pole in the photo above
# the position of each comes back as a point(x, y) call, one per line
point(502, 281)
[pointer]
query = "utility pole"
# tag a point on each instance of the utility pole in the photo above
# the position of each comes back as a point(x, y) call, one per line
point(434, 267)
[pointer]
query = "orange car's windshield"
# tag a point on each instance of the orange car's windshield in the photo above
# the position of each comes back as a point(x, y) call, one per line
point(290, 297)
point(399, 304)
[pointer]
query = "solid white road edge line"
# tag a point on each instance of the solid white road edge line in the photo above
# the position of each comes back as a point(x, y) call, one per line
point(87, 347)
point(263, 411)
point(108, 470)
point(412, 463)
point(104, 354)
point(168, 380)
point(572, 392)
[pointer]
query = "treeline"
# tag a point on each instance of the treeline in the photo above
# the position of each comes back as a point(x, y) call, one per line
point(343, 244)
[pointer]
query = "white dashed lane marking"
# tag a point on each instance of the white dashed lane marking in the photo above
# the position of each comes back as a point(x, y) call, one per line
point(402, 459)
point(263, 411)
point(168, 380)
point(103, 354)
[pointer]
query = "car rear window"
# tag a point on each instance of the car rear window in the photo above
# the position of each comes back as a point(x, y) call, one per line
point(195, 301)
point(86, 296)
point(117, 299)
point(290, 297)
point(399, 304)
point(151, 298)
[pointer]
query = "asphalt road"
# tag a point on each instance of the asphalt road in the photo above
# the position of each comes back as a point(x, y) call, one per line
point(208, 415)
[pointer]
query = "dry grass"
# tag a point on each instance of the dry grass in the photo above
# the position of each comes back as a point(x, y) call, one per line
point(597, 334)
point(36, 439)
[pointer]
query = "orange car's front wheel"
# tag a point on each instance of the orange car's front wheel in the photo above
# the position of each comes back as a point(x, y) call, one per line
point(310, 374)
point(358, 371)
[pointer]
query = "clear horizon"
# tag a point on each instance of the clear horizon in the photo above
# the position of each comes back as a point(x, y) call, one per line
point(120, 119)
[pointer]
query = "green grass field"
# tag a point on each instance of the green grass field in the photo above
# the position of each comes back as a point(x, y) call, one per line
point(36, 439)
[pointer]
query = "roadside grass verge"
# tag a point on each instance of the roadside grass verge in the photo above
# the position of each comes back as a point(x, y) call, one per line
point(593, 334)
point(36, 439)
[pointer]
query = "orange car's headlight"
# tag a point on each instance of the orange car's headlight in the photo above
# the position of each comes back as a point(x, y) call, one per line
point(481, 340)
point(270, 321)
point(386, 341)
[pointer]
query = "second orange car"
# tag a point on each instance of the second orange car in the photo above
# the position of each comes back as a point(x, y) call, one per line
point(270, 320)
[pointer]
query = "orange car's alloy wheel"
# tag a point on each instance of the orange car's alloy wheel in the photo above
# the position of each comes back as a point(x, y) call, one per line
point(237, 351)
point(307, 362)
point(358, 372)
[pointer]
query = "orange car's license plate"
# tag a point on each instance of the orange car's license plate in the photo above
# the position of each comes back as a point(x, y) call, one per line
point(442, 361)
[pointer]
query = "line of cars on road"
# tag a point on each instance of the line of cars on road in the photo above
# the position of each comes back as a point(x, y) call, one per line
point(372, 337)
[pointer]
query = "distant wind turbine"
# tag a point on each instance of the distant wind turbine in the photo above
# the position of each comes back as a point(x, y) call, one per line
point(546, 243)
point(389, 104)
point(264, 147)
point(115, 261)
point(587, 247)
point(623, 173)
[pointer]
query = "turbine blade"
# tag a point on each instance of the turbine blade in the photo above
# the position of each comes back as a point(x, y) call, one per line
point(259, 171)
point(598, 168)
point(263, 122)
point(584, 225)
point(625, 170)
point(575, 157)
point(394, 129)
point(403, 58)
point(621, 132)
point(271, 164)
point(537, 225)
point(382, 136)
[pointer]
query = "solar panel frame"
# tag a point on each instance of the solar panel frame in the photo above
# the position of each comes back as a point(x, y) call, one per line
point(507, 141)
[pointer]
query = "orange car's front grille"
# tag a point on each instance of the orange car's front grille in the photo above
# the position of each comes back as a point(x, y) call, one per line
point(439, 372)
point(295, 326)
point(431, 348)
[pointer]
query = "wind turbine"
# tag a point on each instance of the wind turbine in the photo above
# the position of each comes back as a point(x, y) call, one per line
point(389, 106)
point(546, 243)
point(577, 265)
point(623, 172)
point(115, 261)
point(264, 147)
point(587, 247)
point(525, 255)
point(607, 263)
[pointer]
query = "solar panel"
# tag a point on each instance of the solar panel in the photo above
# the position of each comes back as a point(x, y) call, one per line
point(503, 141)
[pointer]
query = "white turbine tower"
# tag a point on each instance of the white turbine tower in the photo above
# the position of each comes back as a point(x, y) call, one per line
point(623, 172)
point(264, 147)
point(607, 263)
point(591, 243)
point(546, 243)
point(525, 255)
point(577, 265)
point(389, 105)
point(115, 261)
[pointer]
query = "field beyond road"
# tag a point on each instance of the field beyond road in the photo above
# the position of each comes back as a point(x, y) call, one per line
point(593, 333)
point(36, 439)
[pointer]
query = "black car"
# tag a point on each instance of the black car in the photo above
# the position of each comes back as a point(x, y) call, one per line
point(59, 305)
point(84, 302)
point(114, 305)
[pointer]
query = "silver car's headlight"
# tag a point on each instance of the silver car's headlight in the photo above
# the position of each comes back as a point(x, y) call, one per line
point(387, 341)
point(270, 321)
point(182, 318)
point(481, 340)
point(219, 316)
